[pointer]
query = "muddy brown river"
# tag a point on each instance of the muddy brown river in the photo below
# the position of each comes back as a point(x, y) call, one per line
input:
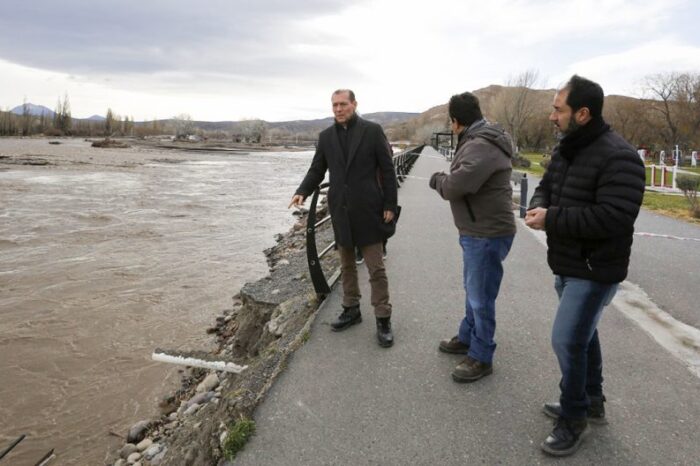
point(106, 255)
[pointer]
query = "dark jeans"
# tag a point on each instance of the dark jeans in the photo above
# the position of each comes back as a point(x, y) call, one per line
point(483, 271)
point(575, 341)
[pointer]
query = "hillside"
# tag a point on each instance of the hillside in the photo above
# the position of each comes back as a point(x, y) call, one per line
point(301, 126)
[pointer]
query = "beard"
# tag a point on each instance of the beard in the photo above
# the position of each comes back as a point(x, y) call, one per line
point(571, 128)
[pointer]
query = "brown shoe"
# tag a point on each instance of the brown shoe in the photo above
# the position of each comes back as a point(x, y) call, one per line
point(453, 346)
point(471, 370)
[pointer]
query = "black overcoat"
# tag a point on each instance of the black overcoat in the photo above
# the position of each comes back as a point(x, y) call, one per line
point(361, 187)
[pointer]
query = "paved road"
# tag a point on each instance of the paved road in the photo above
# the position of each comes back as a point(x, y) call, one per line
point(668, 269)
point(345, 401)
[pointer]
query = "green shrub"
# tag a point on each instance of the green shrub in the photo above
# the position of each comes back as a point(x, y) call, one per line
point(237, 437)
point(520, 162)
point(689, 184)
point(546, 160)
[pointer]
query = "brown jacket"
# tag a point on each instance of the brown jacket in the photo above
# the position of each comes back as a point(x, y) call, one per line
point(478, 185)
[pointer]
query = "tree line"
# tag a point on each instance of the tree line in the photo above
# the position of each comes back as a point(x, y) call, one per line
point(668, 114)
point(61, 123)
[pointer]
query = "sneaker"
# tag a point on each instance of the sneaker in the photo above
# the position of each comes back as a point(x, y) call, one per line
point(453, 346)
point(358, 256)
point(349, 316)
point(595, 413)
point(471, 370)
point(566, 437)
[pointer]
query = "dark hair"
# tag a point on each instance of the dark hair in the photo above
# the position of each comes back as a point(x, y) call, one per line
point(584, 93)
point(350, 93)
point(464, 108)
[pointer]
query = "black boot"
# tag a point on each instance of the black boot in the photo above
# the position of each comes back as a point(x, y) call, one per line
point(350, 316)
point(566, 437)
point(384, 335)
point(595, 412)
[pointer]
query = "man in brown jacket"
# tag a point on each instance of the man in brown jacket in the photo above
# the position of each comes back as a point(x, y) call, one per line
point(478, 188)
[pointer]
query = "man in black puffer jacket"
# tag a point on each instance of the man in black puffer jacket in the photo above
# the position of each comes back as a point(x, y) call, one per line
point(587, 203)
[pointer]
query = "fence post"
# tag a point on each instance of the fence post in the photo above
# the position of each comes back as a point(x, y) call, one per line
point(523, 195)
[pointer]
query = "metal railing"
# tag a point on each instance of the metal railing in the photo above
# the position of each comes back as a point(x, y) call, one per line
point(403, 162)
point(447, 153)
point(314, 259)
point(44, 459)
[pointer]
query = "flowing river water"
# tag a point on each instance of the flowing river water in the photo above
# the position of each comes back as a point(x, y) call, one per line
point(105, 256)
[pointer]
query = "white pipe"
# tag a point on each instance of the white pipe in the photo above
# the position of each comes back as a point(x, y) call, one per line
point(194, 362)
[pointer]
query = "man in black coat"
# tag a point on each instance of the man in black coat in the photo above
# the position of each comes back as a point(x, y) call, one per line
point(587, 203)
point(362, 199)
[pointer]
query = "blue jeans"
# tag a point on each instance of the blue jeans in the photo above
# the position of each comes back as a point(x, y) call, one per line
point(575, 341)
point(483, 271)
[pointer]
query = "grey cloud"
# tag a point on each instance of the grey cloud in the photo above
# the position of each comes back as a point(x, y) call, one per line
point(229, 38)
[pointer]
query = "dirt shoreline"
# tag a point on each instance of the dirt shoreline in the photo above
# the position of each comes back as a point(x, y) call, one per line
point(269, 320)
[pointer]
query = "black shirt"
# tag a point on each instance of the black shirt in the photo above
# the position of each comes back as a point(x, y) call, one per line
point(344, 134)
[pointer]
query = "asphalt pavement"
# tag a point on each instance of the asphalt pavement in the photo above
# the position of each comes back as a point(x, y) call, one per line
point(343, 400)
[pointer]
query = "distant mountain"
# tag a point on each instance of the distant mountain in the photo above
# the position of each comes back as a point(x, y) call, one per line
point(297, 126)
point(388, 118)
point(96, 118)
point(36, 110)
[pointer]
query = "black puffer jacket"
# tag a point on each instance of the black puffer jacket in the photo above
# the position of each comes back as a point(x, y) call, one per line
point(592, 191)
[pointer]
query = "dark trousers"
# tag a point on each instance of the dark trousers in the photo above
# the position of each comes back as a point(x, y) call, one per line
point(377, 278)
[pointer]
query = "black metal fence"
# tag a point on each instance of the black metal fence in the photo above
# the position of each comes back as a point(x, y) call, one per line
point(403, 162)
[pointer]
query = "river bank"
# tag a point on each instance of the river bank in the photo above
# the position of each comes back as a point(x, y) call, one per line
point(200, 423)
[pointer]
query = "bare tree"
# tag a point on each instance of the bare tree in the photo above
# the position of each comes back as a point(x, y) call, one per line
point(62, 120)
point(26, 118)
point(675, 98)
point(537, 132)
point(109, 123)
point(184, 126)
point(661, 89)
point(252, 130)
point(631, 118)
point(515, 105)
point(687, 97)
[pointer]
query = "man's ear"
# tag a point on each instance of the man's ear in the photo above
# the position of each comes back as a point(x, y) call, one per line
point(583, 115)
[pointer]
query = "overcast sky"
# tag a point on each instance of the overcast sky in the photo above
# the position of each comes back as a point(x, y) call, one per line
point(281, 59)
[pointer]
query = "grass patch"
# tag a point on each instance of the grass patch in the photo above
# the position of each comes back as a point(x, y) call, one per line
point(535, 168)
point(669, 205)
point(237, 437)
point(237, 393)
point(657, 177)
